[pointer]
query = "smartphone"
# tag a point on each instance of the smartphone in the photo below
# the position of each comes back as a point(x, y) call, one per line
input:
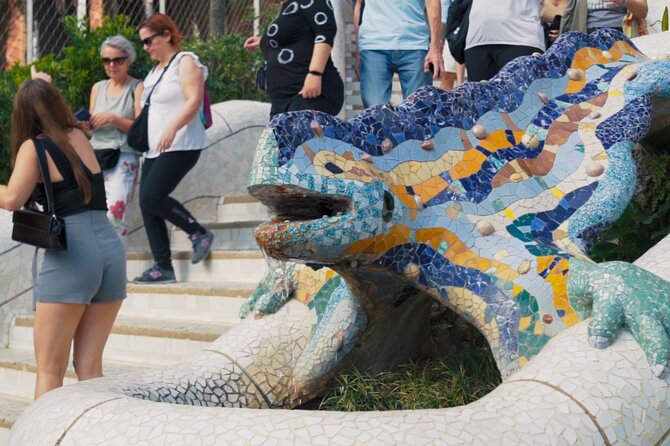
point(82, 115)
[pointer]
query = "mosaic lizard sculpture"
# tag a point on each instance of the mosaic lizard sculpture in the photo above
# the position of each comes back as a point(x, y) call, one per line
point(484, 199)
point(487, 198)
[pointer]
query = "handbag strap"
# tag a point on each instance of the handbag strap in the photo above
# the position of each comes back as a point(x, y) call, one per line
point(148, 101)
point(46, 176)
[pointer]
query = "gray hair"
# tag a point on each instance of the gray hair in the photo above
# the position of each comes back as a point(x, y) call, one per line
point(121, 43)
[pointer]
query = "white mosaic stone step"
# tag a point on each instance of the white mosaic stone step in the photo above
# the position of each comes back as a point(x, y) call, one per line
point(10, 409)
point(141, 341)
point(220, 266)
point(203, 302)
point(17, 372)
point(241, 208)
point(232, 235)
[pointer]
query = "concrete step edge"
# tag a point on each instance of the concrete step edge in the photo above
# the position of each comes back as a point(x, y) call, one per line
point(234, 290)
point(237, 199)
point(24, 360)
point(182, 330)
point(10, 409)
point(187, 255)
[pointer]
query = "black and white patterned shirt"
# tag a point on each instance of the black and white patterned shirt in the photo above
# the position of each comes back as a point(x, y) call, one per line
point(289, 41)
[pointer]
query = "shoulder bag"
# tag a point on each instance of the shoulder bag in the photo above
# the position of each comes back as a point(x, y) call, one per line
point(37, 228)
point(262, 78)
point(457, 28)
point(206, 109)
point(138, 133)
point(107, 158)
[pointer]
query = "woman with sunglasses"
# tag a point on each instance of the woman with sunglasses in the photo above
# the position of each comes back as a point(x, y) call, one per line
point(176, 138)
point(114, 104)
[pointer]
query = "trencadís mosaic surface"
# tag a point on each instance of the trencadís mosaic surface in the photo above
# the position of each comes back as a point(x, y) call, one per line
point(487, 197)
point(486, 200)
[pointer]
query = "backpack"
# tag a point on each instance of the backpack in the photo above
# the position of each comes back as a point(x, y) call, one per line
point(457, 28)
point(206, 109)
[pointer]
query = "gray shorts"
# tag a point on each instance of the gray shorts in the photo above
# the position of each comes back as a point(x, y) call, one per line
point(91, 270)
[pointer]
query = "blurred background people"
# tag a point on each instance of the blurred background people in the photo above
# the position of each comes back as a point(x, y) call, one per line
point(176, 139)
point(498, 32)
point(297, 48)
point(113, 107)
point(454, 72)
point(590, 15)
point(551, 14)
point(397, 36)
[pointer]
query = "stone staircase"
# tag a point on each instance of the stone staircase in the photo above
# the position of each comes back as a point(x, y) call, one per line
point(158, 325)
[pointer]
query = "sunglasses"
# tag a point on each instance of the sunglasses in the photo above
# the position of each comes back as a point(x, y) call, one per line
point(150, 39)
point(115, 60)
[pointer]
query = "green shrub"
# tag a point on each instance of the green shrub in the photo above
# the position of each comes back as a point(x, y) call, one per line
point(645, 221)
point(232, 69)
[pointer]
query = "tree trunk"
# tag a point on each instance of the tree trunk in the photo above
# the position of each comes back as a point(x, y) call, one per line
point(217, 14)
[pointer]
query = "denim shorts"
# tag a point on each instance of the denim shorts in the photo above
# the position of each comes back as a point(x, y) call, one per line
point(91, 270)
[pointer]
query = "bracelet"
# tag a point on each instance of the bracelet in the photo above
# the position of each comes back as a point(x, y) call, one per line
point(315, 73)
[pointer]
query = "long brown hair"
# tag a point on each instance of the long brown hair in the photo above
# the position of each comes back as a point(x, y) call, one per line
point(160, 23)
point(40, 109)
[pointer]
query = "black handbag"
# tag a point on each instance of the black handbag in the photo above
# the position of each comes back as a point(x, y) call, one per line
point(138, 133)
point(456, 31)
point(37, 228)
point(107, 158)
point(262, 78)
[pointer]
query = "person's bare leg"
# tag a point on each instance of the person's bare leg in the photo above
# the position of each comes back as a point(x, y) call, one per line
point(91, 336)
point(54, 329)
point(460, 74)
point(447, 80)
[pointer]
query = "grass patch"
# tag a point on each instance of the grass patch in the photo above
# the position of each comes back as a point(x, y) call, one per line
point(461, 377)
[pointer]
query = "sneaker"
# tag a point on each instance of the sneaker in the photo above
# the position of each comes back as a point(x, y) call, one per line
point(202, 245)
point(156, 274)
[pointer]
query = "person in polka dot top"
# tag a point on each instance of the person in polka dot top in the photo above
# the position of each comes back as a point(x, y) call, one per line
point(297, 47)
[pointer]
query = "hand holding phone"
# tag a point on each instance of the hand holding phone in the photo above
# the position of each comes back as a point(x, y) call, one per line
point(82, 115)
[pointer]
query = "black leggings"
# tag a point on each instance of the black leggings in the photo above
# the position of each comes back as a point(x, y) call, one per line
point(160, 176)
point(484, 61)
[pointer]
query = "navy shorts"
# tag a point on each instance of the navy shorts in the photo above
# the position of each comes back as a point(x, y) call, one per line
point(91, 270)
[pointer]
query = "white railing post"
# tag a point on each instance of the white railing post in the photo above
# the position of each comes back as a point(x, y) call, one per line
point(257, 17)
point(161, 6)
point(149, 8)
point(30, 50)
point(81, 10)
point(339, 54)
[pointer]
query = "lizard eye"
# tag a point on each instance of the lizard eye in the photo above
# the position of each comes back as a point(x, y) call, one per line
point(333, 168)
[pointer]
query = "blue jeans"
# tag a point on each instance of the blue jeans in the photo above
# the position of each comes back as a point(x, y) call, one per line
point(378, 66)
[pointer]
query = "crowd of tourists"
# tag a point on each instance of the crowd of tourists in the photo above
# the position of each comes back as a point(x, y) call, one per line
point(84, 167)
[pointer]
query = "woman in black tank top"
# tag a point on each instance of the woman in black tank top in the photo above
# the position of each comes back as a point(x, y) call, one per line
point(79, 290)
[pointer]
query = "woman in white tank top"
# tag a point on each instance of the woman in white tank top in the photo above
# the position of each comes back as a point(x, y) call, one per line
point(176, 138)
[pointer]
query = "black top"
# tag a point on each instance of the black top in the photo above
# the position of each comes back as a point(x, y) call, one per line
point(69, 200)
point(289, 41)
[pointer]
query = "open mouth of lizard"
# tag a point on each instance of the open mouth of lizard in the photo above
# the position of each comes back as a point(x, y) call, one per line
point(296, 214)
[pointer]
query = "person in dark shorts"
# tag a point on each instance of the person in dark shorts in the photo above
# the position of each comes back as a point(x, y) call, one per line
point(297, 46)
point(78, 291)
